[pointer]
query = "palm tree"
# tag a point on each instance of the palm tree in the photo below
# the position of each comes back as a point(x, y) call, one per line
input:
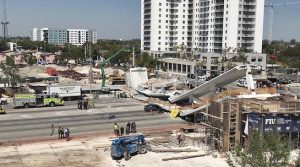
point(194, 51)
point(180, 51)
point(199, 66)
point(241, 56)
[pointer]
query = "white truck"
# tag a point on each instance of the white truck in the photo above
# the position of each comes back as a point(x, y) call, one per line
point(67, 93)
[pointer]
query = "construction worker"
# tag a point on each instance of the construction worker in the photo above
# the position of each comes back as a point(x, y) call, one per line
point(2, 110)
point(116, 129)
point(127, 130)
point(67, 134)
point(85, 104)
point(128, 127)
point(122, 131)
point(180, 140)
point(59, 132)
point(80, 104)
point(133, 127)
point(62, 132)
point(52, 128)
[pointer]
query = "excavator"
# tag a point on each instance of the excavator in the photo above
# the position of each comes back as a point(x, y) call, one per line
point(104, 88)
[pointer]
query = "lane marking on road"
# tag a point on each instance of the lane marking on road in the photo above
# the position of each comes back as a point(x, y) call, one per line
point(60, 113)
point(121, 109)
point(26, 116)
point(90, 110)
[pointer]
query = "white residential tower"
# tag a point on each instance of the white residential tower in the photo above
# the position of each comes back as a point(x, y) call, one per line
point(201, 25)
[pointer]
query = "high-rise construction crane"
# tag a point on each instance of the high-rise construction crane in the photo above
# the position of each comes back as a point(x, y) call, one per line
point(271, 5)
point(4, 22)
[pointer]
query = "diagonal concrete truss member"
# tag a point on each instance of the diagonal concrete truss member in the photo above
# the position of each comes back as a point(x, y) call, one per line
point(222, 80)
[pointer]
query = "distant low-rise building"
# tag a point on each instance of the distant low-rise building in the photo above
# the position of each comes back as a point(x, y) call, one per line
point(209, 64)
point(2, 57)
point(47, 58)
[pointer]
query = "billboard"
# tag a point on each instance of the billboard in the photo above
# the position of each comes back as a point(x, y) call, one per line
point(273, 122)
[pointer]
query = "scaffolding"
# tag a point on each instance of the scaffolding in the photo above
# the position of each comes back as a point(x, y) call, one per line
point(220, 124)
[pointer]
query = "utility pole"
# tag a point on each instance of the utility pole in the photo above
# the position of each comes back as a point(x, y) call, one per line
point(133, 57)
point(85, 52)
point(271, 5)
point(90, 71)
point(4, 22)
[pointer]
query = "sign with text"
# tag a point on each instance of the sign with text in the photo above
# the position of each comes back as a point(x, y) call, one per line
point(274, 122)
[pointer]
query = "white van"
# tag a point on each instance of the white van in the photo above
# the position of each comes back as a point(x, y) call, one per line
point(202, 78)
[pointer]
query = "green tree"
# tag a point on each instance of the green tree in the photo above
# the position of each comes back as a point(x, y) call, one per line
point(293, 42)
point(146, 60)
point(10, 70)
point(2, 46)
point(31, 60)
point(261, 151)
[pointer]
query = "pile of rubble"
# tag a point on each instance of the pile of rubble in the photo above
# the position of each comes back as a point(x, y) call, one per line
point(71, 74)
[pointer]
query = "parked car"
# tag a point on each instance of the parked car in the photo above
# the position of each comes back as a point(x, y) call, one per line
point(152, 107)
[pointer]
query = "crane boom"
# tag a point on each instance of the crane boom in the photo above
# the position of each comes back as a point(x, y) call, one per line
point(271, 6)
point(102, 64)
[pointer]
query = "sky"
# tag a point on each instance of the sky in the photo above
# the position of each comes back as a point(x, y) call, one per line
point(117, 19)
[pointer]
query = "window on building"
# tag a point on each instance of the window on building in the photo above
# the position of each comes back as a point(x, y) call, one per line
point(184, 68)
point(179, 67)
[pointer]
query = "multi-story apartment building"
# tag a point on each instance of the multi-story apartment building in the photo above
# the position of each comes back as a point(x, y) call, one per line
point(201, 25)
point(39, 34)
point(57, 36)
point(75, 37)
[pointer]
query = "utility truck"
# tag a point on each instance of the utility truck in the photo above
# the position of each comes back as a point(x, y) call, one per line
point(67, 93)
point(34, 100)
point(127, 145)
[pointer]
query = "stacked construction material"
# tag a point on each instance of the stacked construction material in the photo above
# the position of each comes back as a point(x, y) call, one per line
point(71, 74)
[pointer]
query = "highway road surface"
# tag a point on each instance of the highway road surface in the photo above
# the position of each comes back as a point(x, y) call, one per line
point(20, 124)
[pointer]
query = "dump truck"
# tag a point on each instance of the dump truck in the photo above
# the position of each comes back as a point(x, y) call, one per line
point(36, 100)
